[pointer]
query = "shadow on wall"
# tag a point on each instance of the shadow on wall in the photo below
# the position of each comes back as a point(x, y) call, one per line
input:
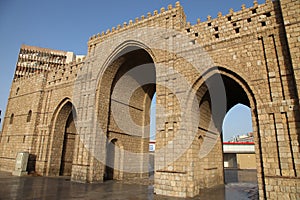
point(31, 164)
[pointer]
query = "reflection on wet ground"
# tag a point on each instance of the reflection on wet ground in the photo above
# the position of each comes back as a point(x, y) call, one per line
point(232, 191)
point(29, 187)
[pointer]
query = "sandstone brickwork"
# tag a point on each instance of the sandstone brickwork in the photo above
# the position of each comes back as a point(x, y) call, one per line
point(89, 118)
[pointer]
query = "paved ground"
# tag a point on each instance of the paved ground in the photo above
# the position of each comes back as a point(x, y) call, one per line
point(30, 187)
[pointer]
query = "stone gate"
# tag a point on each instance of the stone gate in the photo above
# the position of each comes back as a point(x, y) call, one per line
point(89, 118)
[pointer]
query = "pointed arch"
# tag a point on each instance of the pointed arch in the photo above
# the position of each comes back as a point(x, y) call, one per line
point(62, 142)
point(127, 57)
point(236, 91)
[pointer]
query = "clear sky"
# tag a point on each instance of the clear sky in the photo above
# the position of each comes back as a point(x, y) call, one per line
point(237, 122)
point(68, 24)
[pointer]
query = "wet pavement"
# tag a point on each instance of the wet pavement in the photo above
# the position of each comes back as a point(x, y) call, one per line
point(30, 187)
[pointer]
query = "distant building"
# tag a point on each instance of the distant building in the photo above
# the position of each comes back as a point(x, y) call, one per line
point(239, 155)
point(243, 138)
point(36, 59)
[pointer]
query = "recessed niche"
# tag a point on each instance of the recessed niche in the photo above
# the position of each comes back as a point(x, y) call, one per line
point(268, 14)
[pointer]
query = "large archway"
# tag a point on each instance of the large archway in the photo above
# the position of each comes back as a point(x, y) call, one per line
point(213, 106)
point(131, 80)
point(62, 141)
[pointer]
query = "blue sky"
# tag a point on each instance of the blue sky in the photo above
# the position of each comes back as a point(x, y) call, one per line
point(237, 122)
point(68, 24)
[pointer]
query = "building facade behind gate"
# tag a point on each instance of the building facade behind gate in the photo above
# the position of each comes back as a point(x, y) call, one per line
point(88, 117)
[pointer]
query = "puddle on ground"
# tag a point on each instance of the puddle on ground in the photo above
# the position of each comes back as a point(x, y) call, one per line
point(230, 191)
point(61, 188)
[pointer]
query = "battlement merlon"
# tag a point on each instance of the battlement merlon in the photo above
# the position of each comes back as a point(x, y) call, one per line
point(242, 12)
point(176, 13)
point(253, 20)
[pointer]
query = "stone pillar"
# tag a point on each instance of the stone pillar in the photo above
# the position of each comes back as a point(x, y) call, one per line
point(290, 10)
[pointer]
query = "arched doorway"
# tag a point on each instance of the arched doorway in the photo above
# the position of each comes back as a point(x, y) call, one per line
point(68, 147)
point(131, 77)
point(213, 106)
point(62, 141)
point(152, 138)
point(114, 161)
point(238, 146)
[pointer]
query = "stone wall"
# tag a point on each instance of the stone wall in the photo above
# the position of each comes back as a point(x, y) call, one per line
point(255, 54)
point(21, 120)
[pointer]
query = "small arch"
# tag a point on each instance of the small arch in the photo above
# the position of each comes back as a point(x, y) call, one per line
point(200, 139)
point(11, 120)
point(29, 116)
point(63, 132)
point(59, 106)
point(110, 160)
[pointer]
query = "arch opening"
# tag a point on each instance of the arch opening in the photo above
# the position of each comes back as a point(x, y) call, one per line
point(238, 146)
point(132, 81)
point(152, 138)
point(237, 122)
point(111, 161)
point(210, 169)
point(68, 147)
point(63, 141)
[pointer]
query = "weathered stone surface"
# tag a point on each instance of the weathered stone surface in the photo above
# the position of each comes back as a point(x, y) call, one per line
point(89, 118)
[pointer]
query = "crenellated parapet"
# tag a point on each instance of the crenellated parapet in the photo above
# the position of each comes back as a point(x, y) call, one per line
point(30, 77)
point(65, 73)
point(163, 15)
point(255, 19)
point(231, 25)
